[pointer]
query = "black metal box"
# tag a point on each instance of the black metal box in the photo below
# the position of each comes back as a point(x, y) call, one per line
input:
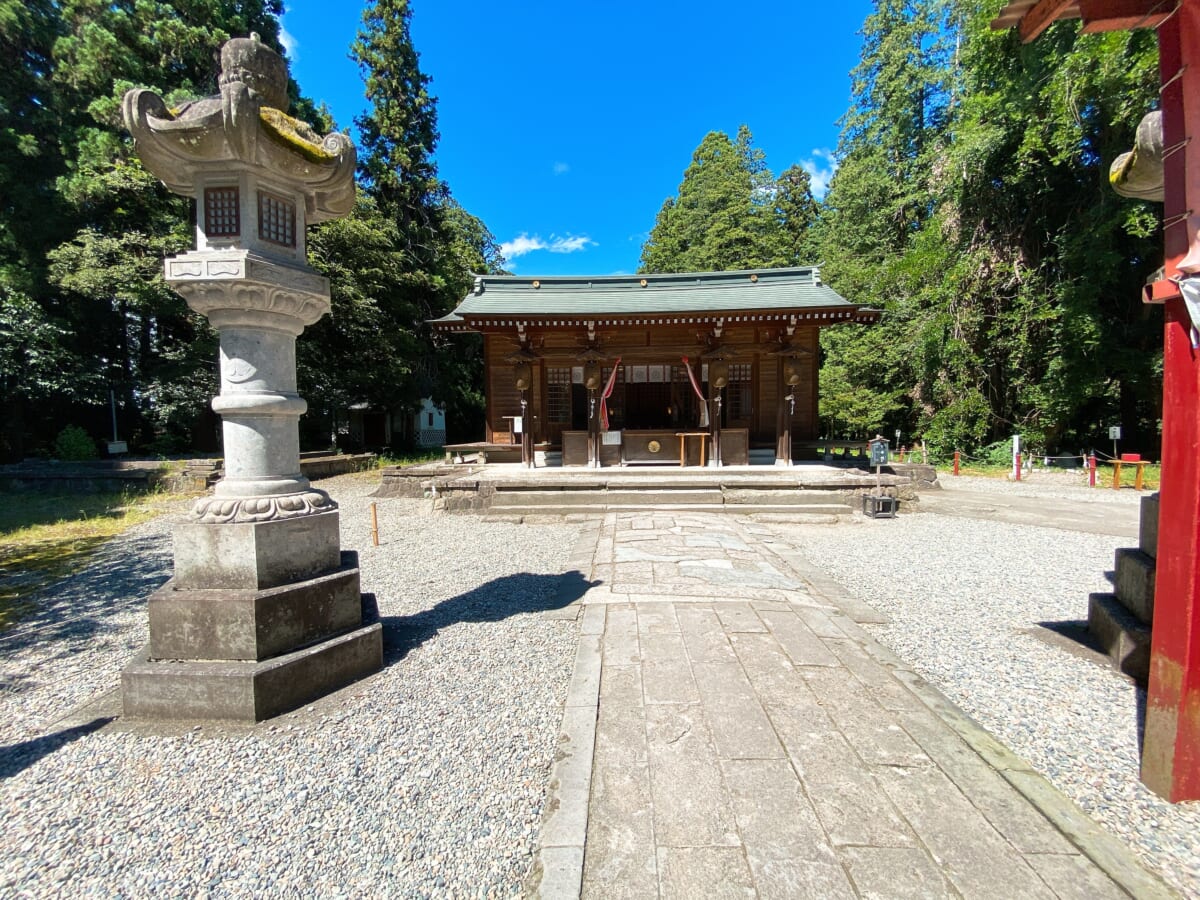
point(879, 507)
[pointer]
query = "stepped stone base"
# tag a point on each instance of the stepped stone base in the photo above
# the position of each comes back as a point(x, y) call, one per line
point(1135, 583)
point(256, 555)
point(254, 625)
point(261, 617)
point(1120, 635)
point(250, 691)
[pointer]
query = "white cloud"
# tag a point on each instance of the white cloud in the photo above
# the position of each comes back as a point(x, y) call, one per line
point(561, 168)
point(525, 243)
point(290, 45)
point(521, 245)
point(569, 244)
point(820, 168)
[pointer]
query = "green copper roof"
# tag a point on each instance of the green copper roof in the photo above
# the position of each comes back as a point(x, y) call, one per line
point(620, 295)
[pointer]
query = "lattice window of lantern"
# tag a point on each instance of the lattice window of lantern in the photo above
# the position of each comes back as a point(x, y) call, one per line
point(222, 213)
point(558, 395)
point(739, 394)
point(276, 219)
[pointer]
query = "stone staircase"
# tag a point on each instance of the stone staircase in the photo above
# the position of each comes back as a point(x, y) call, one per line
point(511, 502)
point(1120, 621)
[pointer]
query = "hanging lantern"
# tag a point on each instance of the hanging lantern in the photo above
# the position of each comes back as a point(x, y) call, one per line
point(592, 377)
point(791, 371)
point(718, 373)
point(523, 373)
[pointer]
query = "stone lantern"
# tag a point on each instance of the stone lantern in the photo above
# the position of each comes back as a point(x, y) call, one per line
point(264, 611)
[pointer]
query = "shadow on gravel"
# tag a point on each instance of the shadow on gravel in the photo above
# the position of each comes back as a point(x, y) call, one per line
point(1073, 636)
point(495, 601)
point(66, 617)
point(18, 757)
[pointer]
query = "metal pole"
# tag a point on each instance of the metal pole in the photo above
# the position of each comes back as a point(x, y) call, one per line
point(112, 400)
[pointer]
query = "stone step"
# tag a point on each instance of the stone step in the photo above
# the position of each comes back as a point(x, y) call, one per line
point(1148, 528)
point(666, 498)
point(650, 498)
point(1120, 635)
point(1134, 583)
point(739, 496)
point(800, 513)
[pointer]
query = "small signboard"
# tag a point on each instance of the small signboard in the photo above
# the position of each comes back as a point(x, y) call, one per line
point(879, 452)
point(1114, 433)
point(610, 437)
point(117, 447)
point(517, 425)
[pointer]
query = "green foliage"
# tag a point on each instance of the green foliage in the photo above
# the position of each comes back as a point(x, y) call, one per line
point(413, 253)
point(971, 205)
point(74, 444)
point(730, 212)
point(83, 227)
point(84, 310)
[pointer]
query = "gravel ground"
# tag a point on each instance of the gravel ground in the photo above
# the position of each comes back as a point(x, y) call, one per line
point(427, 779)
point(967, 598)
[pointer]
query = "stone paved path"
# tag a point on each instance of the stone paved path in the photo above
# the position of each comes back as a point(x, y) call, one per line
point(732, 732)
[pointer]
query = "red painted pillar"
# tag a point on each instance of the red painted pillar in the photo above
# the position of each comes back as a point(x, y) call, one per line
point(1171, 748)
point(955, 462)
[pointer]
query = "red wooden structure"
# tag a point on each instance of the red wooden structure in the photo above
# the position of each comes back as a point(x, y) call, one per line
point(1171, 746)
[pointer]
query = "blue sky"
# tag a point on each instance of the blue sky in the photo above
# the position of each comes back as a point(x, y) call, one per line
point(564, 126)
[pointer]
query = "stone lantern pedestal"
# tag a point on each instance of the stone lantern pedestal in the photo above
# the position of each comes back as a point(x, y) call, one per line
point(264, 611)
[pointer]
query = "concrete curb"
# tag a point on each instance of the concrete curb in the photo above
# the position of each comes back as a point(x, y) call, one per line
point(1108, 852)
point(557, 868)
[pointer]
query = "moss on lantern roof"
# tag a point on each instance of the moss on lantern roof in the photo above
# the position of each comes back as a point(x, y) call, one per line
point(618, 295)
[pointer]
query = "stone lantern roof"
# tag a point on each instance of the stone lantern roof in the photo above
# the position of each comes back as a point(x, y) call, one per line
point(244, 128)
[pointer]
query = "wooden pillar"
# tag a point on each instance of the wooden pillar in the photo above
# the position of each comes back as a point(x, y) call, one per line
point(714, 425)
point(783, 416)
point(1171, 747)
point(593, 438)
point(526, 431)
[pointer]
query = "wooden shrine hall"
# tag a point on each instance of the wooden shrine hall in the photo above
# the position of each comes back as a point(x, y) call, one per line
point(694, 368)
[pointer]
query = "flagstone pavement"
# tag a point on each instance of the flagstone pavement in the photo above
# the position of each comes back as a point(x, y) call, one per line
point(732, 731)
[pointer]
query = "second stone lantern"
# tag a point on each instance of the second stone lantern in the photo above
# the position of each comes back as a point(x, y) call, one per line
point(264, 612)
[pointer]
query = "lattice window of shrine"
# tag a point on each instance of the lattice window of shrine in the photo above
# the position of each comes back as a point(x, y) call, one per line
point(739, 393)
point(558, 395)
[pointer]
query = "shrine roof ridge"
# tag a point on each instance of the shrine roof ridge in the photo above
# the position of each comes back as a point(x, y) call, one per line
point(683, 292)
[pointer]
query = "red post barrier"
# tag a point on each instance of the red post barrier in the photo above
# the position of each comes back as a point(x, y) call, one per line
point(955, 462)
point(1091, 461)
point(1018, 467)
